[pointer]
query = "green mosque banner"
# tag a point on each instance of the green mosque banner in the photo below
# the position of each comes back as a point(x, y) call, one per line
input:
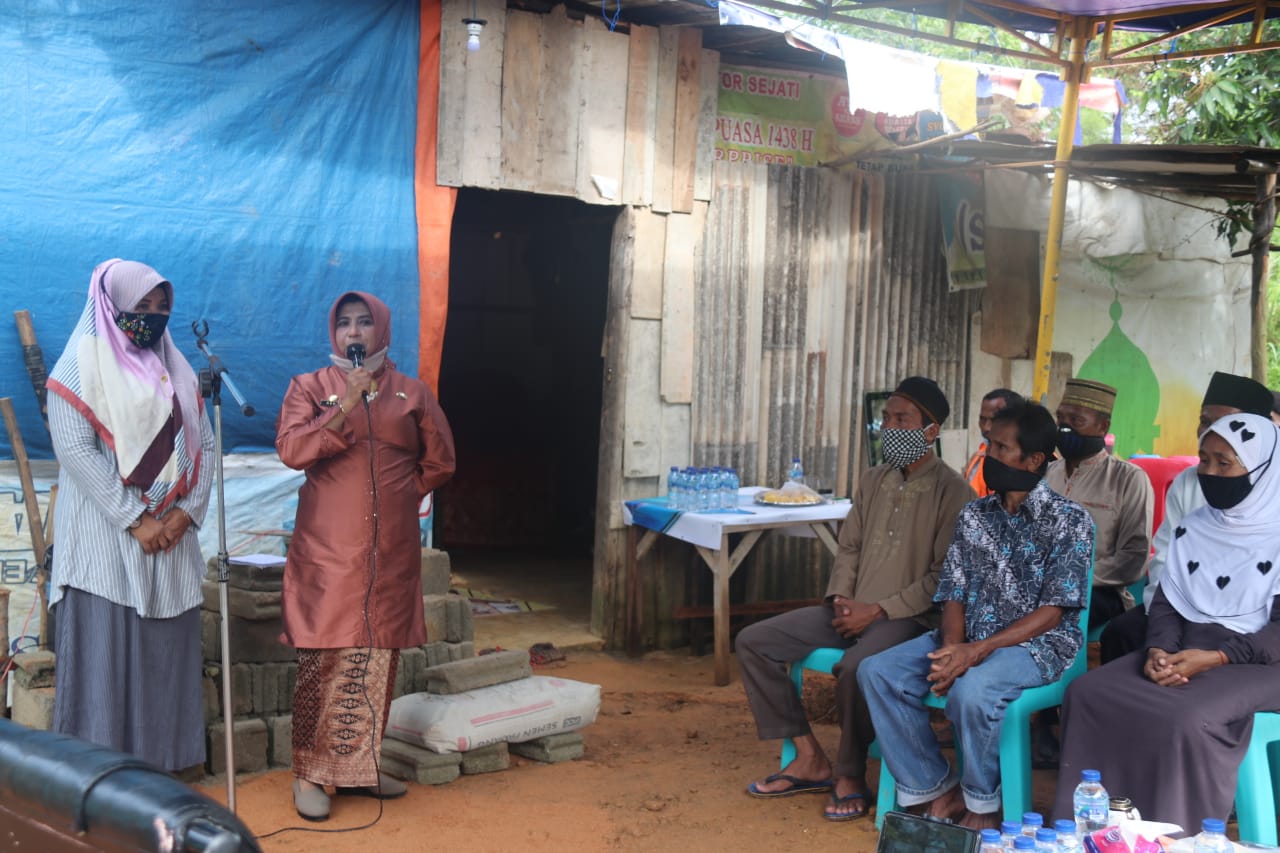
point(1150, 301)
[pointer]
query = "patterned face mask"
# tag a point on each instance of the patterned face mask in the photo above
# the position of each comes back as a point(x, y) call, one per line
point(903, 446)
point(143, 330)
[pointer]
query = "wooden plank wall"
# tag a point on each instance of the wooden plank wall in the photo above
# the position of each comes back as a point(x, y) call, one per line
point(558, 106)
point(750, 306)
point(812, 289)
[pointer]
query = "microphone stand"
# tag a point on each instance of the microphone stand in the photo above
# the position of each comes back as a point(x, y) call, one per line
point(212, 378)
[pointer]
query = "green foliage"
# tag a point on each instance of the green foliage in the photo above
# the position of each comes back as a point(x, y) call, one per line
point(1227, 99)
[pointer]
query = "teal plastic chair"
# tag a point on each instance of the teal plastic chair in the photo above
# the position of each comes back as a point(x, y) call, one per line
point(1015, 734)
point(821, 660)
point(1258, 781)
point(1136, 589)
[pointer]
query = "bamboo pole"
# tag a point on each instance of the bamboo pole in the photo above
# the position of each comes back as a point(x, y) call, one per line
point(33, 358)
point(1058, 209)
point(34, 525)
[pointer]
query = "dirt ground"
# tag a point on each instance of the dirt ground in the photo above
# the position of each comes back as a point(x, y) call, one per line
point(666, 765)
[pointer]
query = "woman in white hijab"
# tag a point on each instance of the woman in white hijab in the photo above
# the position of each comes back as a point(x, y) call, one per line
point(1169, 725)
point(132, 441)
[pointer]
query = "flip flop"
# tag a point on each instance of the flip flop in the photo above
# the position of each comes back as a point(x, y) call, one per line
point(798, 786)
point(848, 798)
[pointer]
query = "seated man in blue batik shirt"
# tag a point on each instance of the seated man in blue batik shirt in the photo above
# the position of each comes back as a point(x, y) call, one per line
point(1013, 582)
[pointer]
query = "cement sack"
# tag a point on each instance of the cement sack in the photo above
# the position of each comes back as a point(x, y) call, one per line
point(514, 712)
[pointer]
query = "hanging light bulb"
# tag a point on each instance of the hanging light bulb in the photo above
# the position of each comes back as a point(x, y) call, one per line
point(474, 26)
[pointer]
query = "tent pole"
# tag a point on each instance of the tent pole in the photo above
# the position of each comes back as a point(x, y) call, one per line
point(1058, 207)
point(1264, 222)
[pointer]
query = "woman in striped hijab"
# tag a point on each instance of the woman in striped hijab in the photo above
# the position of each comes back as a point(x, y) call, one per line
point(131, 438)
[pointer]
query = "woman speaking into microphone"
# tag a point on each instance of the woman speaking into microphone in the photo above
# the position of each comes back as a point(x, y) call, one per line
point(373, 442)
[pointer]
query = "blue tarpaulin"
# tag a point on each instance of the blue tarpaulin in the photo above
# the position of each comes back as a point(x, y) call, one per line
point(258, 155)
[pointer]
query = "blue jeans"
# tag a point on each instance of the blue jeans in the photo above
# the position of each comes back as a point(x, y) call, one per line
point(894, 685)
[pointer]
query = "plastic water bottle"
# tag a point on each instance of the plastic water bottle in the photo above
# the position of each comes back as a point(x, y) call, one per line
point(731, 488)
point(1046, 840)
point(1212, 837)
point(673, 487)
point(1067, 840)
point(991, 842)
point(797, 471)
point(1009, 830)
point(687, 494)
point(1024, 842)
point(1031, 823)
point(708, 499)
point(1091, 803)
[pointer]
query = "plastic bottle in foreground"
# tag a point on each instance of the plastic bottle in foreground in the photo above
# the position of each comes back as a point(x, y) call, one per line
point(1009, 830)
point(991, 842)
point(1067, 841)
point(1046, 840)
point(797, 471)
point(673, 487)
point(1090, 803)
point(1024, 842)
point(1031, 821)
point(1212, 837)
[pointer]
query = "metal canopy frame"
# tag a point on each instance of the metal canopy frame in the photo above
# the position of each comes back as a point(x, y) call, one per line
point(1016, 19)
point(1070, 36)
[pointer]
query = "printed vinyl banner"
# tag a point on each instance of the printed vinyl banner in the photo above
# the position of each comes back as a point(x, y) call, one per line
point(802, 119)
point(962, 203)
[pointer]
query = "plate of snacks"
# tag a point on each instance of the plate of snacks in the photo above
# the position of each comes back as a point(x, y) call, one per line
point(792, 494)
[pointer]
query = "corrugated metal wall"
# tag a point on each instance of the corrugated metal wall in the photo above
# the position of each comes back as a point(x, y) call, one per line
point(817, 287)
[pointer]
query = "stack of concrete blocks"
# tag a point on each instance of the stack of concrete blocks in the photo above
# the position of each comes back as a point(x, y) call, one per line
point(450, 632)
point(264, 670)
point(416, 763)
point(33, 689)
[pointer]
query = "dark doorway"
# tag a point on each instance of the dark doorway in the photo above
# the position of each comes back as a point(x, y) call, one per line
point(521, 377)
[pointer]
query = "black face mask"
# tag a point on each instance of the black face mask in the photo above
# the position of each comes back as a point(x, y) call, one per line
point(143, 330)
point(1073, 445)
point(1002, 478)
point(1224, 492)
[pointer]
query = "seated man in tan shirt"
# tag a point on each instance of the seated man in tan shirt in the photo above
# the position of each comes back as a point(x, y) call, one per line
point(1117, 495)
point(880, 594)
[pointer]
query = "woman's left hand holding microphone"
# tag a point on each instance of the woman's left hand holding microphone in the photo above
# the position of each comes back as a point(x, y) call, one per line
point(360, 383)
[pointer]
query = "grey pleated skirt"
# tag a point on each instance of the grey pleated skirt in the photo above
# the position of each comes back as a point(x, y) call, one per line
point(129, 683)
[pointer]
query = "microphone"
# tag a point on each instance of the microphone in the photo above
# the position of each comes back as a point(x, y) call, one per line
point(355, 355)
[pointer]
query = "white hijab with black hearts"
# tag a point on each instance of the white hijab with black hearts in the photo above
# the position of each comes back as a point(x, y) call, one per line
point(1224, 564)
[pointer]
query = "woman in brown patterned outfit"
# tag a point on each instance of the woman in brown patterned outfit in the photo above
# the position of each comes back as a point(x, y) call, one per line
point(352, 583)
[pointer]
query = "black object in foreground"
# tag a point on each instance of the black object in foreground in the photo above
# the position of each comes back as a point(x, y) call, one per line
point(59, 793)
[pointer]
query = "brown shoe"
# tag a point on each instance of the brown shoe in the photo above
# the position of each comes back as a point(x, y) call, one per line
point(312, 804)
point(386, 789)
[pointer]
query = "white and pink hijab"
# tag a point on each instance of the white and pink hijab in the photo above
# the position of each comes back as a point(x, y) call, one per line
point(144, 403)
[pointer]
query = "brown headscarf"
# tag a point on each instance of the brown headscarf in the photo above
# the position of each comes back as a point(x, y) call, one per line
point(381, 330)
